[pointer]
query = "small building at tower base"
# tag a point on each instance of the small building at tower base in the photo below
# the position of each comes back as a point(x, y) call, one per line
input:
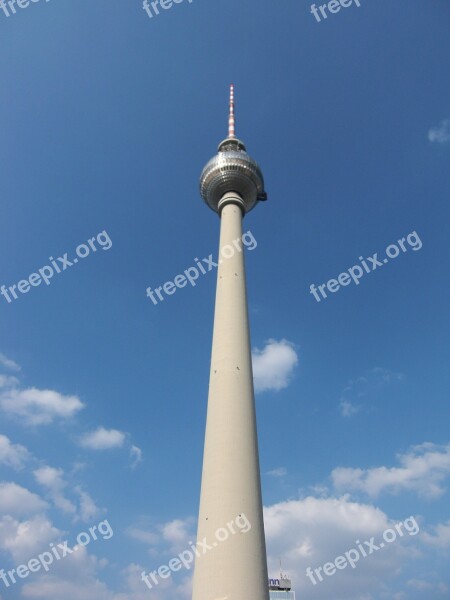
point(281, 589)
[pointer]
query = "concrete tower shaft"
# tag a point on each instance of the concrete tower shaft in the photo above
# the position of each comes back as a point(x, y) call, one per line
point(236, 568)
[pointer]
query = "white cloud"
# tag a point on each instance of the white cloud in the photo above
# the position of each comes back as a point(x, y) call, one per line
point(102, 439)
point(12, 455)
point(88, 509)
point(16, 500)
point(423, 470)
point(52, 480)
point(273, 366)
point(360, 388)
point(441, 537)
point(141, 535)
point(178, 533)
point(39, 407)
point(27, 538)
point(279, 472)
point(75, 577)
point(313, 531)
point(136, 455)
point(8, 381)
point(348, 409)
point(8, 363)
point(167, 589)
point(50, 477)
point(382, 375)
point(428, 586)
point(50, 587)
point(32, 406)
point(170, 537)
point(441, 133)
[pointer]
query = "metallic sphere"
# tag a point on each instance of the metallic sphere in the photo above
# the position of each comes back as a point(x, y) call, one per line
point(232, 170)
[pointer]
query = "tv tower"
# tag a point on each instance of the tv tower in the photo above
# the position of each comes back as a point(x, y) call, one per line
point(231, 184)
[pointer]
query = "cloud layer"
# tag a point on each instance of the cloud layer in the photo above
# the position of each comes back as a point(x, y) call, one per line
point(422, 470)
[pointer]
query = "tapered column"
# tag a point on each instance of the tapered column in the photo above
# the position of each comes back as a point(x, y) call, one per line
point(236, 568)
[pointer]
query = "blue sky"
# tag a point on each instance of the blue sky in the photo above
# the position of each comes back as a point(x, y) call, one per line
point(107, 118)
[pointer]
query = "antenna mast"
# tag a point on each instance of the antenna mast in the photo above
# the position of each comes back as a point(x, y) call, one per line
point(231, 119)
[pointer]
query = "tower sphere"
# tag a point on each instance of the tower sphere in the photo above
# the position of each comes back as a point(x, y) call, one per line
point(232, 170)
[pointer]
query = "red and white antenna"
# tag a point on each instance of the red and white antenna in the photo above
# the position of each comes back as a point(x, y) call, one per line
point(231, 115)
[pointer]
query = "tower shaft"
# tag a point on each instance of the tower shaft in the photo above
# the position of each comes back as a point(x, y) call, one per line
point(235, 568)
